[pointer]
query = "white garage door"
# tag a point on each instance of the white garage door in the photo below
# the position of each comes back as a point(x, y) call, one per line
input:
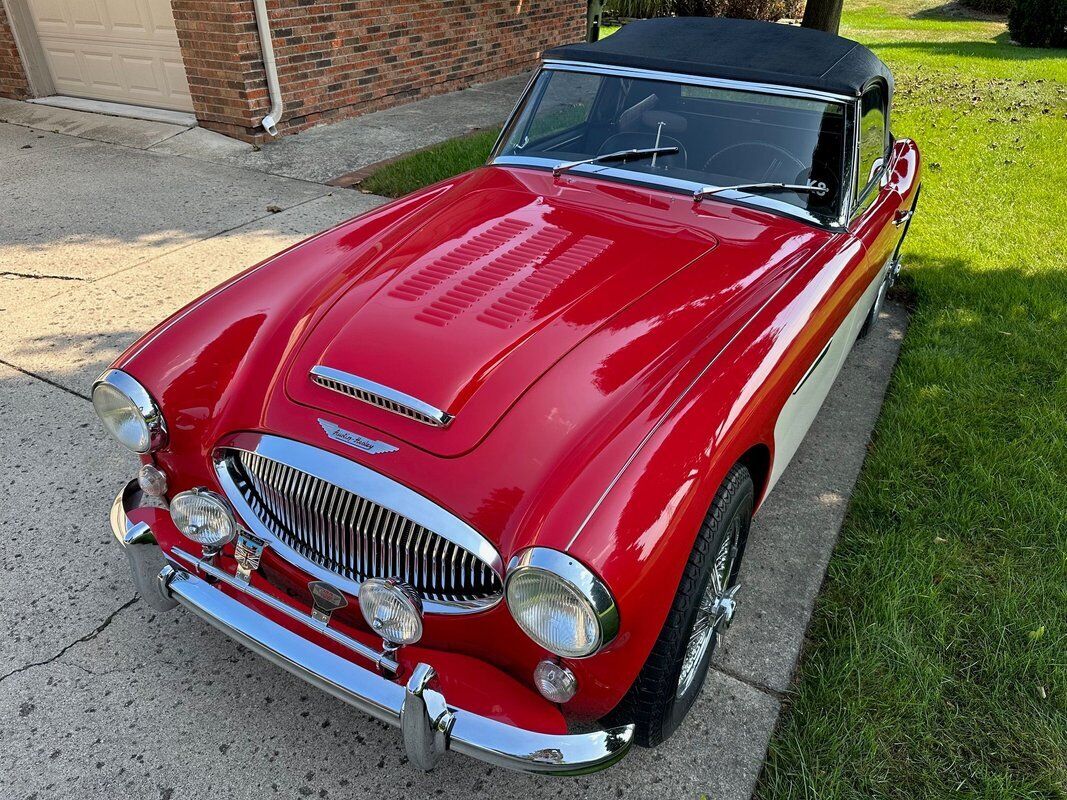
point(120, 50)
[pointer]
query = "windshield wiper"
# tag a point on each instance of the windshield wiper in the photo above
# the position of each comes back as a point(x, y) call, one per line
point(620, 155)
point(818, 188)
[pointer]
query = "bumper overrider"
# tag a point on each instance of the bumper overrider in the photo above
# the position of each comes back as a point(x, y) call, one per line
point(430, 726)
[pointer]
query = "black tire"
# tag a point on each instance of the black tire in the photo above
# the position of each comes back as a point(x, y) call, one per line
point(655, 703)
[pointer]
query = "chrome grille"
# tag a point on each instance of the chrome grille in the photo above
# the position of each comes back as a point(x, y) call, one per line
point(354, 537)
point(375, 400)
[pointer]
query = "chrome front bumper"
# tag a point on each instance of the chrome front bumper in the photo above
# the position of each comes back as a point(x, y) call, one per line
point(429, 725)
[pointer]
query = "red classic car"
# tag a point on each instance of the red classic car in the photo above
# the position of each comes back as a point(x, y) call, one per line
point(482, 462)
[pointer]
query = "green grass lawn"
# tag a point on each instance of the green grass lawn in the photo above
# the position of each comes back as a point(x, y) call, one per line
point(434, 164)
point(937, 660)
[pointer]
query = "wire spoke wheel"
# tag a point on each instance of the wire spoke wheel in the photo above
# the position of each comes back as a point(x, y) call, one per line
point(670, 681)
point(716, 608)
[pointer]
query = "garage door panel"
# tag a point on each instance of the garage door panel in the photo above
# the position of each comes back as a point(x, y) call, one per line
point(120, 73)
point(86, 17)
point(161, 16)
point(174, 77)
point(142, 73)
point(65, 65)
point(129, 17)
point(101, 72)
point(118, 50)
point(50, 15)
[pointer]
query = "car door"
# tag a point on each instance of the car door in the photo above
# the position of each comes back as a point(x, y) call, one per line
point(859, 272)
point(882, 211)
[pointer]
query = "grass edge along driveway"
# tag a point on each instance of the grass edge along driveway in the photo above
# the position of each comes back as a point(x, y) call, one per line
point(936, 663)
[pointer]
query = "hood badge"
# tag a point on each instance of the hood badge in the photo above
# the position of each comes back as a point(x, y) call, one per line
point(339, 434)
point(326, 599)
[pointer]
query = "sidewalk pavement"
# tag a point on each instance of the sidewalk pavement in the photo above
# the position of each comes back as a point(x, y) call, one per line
point(316, 155)
point(100, 697)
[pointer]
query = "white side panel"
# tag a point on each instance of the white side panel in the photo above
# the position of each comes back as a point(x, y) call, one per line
point(807, 398)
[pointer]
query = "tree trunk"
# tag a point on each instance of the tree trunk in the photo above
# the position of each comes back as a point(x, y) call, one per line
point(823, 15)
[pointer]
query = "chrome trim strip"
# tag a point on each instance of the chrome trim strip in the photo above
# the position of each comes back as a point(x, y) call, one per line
point(150, 411)
point(698, 80)
point(487, 739)
point(366, 483)
point(681, 185)
point(422, 412)
point(580, 578)
point(379, 659)
point(814, 365)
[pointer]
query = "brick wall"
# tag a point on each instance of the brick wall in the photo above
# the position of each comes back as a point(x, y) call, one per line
point(339, 59)
point(13, 82)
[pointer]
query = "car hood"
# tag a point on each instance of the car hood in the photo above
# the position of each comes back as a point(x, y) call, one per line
point(484, 291)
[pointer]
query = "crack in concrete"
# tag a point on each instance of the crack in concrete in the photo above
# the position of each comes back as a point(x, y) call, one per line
point(43, 379)
point(781, 697)
point(87, 637)
point(38, 277)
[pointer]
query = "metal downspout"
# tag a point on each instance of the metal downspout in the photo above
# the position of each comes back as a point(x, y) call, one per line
point(270, 67)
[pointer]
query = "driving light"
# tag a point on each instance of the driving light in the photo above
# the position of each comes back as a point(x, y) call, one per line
point(128, 412)
point(559, 603)
point(204, 517)
point(392, 609)
point(555, 682)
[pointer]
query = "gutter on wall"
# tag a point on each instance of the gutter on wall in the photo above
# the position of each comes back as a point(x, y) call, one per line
point(274, 116)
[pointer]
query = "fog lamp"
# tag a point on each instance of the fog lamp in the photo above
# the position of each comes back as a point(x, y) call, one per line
point(555, 681)
point(152, 481)
point(204, 517)
point(392, 609)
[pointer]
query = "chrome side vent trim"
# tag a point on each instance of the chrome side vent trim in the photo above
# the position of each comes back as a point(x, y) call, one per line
point(343, 523)
point(380, 396)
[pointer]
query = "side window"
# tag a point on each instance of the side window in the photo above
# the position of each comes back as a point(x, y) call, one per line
point(873, 140)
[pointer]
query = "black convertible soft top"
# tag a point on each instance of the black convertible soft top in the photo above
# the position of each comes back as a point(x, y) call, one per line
point(736, 49)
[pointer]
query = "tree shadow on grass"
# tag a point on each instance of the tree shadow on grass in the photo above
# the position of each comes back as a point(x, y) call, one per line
point(999, 50)
point(956, 12)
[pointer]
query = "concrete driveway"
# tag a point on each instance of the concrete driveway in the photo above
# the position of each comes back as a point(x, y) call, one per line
point(99, 696)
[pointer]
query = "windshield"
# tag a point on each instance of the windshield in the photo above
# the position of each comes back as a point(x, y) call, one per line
point(723, 137)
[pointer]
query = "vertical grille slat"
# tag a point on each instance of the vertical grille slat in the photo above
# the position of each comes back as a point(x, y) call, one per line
point(355, 537)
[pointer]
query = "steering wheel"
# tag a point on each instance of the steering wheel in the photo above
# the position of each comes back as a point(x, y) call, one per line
point(774, 167)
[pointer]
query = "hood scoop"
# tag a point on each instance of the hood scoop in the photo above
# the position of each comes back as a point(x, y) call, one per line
point(380, 396)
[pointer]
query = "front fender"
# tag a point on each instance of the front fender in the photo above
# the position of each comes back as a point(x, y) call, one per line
point(641, 532)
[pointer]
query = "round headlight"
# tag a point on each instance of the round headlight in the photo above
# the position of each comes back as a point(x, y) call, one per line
point(204, 517)
point(559, 603)
point(128, 412)
point(392, 609)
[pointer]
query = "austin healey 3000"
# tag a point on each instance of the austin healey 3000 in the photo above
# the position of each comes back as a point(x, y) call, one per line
point(482, 462)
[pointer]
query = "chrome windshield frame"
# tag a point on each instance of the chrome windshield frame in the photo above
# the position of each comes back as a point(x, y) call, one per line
point(622, 175)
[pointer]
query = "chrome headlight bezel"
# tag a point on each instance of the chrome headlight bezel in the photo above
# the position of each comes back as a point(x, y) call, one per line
point(141, 401)
point(580, 581)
